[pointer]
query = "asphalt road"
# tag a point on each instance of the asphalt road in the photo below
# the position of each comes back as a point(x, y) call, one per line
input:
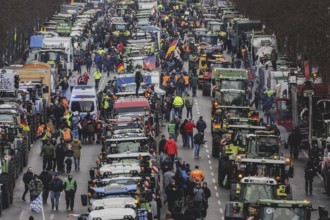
point(20, 210)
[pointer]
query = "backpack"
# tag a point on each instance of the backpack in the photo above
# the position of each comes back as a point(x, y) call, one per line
point(180, 81)
point(190, 102)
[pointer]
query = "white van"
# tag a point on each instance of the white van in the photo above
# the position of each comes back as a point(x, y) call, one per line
point(83, 100)
point(113, 202)
point(112, 214)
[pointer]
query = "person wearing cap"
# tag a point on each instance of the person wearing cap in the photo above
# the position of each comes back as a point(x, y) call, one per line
point(70, 188)
point(56, 187)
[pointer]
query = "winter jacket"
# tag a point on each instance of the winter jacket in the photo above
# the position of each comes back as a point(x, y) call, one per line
point(198, 195)
point(170, 147)
point(56, 185)
point(45, 178)
point(27, 177)
point(189, 127)
point(35, 187)
point(167, 177)
point(76, 147)
point(201, 125)
point(161, 146)
point(48, 151)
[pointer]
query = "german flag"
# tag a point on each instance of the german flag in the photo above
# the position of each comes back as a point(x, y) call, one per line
point(120, 67)
point(172, 47)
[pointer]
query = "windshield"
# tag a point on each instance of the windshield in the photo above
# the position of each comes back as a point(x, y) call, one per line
point(239, 113)
point(209, 39)
point(120, 27)
point(284, 110)
point(232, 84)
point(125, 182)
point(6, 118)
point(271, 213)
point(82, 106)
point(122, 147)
point(239, 137)
point(217, 27)
point(130, 87)
point(232, 99)
point(128, 109)
point(124, 160)
point(252, 192)
point(270, 170)
point(264, 147)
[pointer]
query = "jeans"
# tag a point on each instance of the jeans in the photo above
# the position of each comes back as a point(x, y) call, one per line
point(197, 149)
point(97, 81)
point(177, 111)
point(55, 198)
point(189, 112)
point(184, 139)
point(68, 161)
point(75, 134)
point(194, 91)
point(189, 135)
point(45, 193)
point(171, 157)
point(76, 162)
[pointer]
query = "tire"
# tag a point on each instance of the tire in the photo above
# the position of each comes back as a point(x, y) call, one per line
point(5, 200)
point(215, 146)
point(326, 184)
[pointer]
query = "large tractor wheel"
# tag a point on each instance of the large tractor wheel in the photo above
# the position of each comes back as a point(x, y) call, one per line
point(5, 200)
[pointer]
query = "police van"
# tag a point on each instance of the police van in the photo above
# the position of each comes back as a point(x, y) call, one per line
point(84, 100)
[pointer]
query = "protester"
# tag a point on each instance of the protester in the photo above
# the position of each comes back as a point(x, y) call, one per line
point(56, 187)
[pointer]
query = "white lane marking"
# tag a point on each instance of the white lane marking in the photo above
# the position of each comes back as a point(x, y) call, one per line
point(51, 216)
point(208, 156)
point(210, 162)
point(219, 203)
point(198, 113)
point(215, 188)
point(207, 150)
point(217, 194)
point(205, 146)
point(211, 168)
point(213, 180)
point(221, 211)
point(212, 174)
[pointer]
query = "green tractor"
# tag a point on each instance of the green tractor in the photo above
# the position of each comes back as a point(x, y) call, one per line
point(245, 194)
point(287, 210)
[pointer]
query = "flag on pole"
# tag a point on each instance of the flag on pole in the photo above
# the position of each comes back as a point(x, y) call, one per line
point(36, 205)
point(120, 67)
point(149, 62)
point(172, 47)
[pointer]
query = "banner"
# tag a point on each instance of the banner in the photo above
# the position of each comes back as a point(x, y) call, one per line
point(36, 205)
point(149, 62)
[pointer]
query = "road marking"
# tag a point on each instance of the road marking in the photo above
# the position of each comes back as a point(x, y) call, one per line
point(207, 150)
point(208, 156)
point(221, 211)
point(213, 180)
point(210, 162)
point(215, 188)
point(211, 168)
point(198, 113)
point(212, 174)
point(51, 216)
point(205, 146)
point(217, 194)
point(219, 203)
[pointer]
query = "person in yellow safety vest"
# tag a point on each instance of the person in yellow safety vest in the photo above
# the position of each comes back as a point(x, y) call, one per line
point(68, 119)
point(97, 77)
point(197, 175)
point(70, 188)
point(100, 51)
point(269, 92)
point(46, 135)
point(178, 104)
point(66, 135)
point(105, 106)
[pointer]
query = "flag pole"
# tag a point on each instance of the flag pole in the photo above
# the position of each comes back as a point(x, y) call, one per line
point(42, 210)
